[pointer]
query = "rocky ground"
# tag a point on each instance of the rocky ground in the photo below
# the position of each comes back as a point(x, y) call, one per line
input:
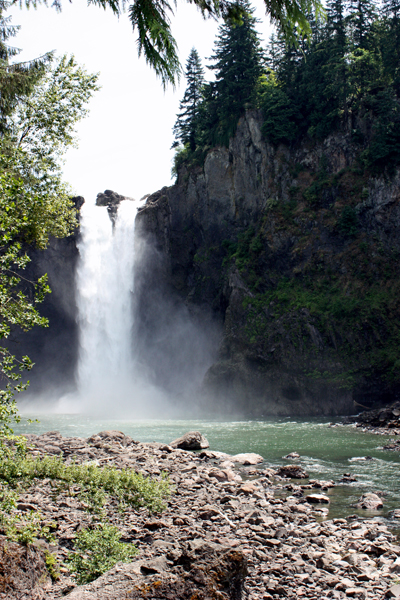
point(230, 530)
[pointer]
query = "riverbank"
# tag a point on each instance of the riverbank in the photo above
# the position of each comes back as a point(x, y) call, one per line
point(221, 506)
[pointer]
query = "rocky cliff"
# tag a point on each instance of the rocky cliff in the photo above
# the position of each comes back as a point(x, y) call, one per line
point(53, 349)
point(296, 251)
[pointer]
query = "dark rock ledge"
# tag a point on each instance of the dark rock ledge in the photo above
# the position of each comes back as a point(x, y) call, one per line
point(226, 534)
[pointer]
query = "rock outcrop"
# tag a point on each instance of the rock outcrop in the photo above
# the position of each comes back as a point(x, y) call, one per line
point(295, 251)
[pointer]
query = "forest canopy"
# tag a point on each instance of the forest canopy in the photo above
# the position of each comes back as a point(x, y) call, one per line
point(345, 75)
point(151, 21)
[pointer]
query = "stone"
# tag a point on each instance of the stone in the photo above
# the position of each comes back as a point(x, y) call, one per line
point(317, 499)
point(248, 488)
point(393, 592)
point(292, 472)
point(249, 458)
point(370, 501)
point(292, 456)
point(192, 440)
point(209, 571)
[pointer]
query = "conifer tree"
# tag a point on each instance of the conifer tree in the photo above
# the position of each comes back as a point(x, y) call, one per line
point(186, 128)
point(238, 66)
point(16, 80)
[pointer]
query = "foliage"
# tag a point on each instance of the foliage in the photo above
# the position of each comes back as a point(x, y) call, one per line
point(152, 21)
point(348, 221)
point(98, 550)
point(127, 486)
point(237, 62)
point(346, 78)
point(186, 128)
point(17, 80)
point(19, 527)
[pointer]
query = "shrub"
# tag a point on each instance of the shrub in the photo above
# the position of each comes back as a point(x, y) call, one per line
point(97, 551)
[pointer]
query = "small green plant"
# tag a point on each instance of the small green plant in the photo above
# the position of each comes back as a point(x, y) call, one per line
point(23, 528)
point(52, 565)
point(97, 551)
point(348, 223)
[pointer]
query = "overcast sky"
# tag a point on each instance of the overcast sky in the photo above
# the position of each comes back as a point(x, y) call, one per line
point(124, 143)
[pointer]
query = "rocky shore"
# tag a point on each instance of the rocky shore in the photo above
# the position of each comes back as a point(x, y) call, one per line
point(384, 420)
point(231, 530)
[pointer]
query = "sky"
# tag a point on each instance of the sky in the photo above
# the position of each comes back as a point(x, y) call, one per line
point(125, 142)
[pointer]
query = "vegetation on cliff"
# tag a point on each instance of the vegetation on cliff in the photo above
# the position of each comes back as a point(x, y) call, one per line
point(343, 76)
point(320, 258)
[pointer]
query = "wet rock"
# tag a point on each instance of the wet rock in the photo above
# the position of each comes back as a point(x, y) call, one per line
point(317, 499)
point(292, 472)
point(370, 501)
point(193, 440)
point(292, 456)
point(394, 514)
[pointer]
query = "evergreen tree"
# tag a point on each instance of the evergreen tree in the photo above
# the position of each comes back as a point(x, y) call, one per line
point(238, 66)
point(186, 128)
point(16, 80)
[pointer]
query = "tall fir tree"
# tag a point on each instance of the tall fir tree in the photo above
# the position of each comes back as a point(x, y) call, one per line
point(17, 80)
point(186, 128)
point(238, 65)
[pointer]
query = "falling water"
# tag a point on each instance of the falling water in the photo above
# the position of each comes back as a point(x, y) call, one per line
point(105, 289)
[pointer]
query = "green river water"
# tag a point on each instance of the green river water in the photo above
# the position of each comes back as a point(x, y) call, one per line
point(326, 452)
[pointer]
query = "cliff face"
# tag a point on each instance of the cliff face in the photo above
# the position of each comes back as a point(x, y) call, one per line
point(296, 252)
point(53, 349)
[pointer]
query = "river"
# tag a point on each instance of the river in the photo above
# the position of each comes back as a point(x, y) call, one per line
point(326, 452)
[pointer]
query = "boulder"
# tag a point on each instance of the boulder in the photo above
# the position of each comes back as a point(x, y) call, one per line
point(317, 499)
point(292, 456)
point(370, 501)
point(202, 571)
point(192, 440)
point(292, 472)
point(248, 458)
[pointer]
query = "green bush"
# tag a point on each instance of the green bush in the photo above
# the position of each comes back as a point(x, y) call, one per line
point(125, 485)
point(97, 551)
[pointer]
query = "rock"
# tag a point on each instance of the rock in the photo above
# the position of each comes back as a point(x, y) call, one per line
point(394, 514)
point(248, 488)
point(111, 200)
point(317, 499)
point(292, 472)
point(370, 501)
point(395, 567)
point(193, 440)
point(249, 458)
point(208, 571)
point(292, 456)
point(393, 592)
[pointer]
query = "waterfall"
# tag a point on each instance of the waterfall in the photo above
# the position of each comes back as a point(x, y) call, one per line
point(117, 375)
point(104, 296)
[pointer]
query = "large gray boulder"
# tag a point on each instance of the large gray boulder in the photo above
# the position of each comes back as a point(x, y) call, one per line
point(192, 440)
point(370, 501)
point(203, 571)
